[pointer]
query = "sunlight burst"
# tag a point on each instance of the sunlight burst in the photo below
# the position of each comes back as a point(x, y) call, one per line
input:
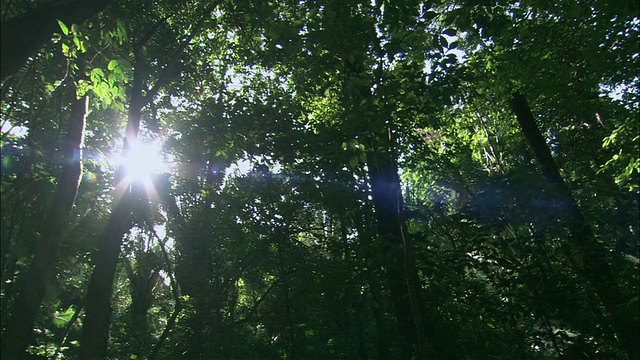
point(142, 163)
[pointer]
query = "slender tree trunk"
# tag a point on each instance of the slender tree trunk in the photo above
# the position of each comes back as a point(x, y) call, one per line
point(176, 296)
point(386, 193)
point(167, 330)
point(400, 262)
point(24, 34)
point(95, 329)
point(17, 334)
point(281, 237)
point(95, 332)
point(377, 308)
point(591, 256)
point(192, 279)
point(142, 282)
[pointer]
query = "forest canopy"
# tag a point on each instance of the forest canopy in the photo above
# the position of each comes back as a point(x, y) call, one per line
point(309, 179)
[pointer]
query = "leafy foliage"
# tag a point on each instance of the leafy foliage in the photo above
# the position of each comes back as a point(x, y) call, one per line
point(328, 163)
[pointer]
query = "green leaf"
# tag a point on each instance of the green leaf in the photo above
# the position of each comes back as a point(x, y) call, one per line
point(97, 73)
point(451, 32)
point(353, 162)
point(63, 27)
point(443, 41)
point(60, 319)
point(76, 41)
point(112, 65)
point(410, 95)
point(430, 15)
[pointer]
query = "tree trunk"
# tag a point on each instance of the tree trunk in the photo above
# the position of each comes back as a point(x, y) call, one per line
point(174, 291)
point(400, 262)
point(165, 333)
point(386, 193)
point(24, 34)
point(281, 237)
point(591, 256)
point(375, 288)
point(95, 332)
point(17, 334)
point(95, 329)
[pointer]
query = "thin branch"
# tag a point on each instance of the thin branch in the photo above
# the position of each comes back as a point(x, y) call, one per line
point(162, 79)
point(172, 281)
point(67, 330)
point(174, 290)
point(255, 306)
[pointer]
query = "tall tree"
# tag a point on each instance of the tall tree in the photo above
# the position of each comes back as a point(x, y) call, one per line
point(17, 334)
point(95, 331)
point(592, 263)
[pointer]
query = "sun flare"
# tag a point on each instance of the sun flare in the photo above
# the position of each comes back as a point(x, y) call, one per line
point(142, 162)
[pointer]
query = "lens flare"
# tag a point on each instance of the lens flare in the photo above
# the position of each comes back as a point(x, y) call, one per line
point(142, 162)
